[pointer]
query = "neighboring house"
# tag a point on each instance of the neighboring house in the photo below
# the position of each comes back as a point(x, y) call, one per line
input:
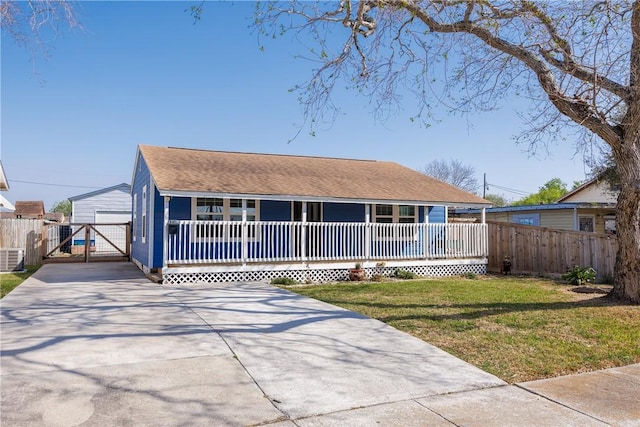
point(29, 209)
point(111, 205)
point(4, 183)
point(590, 207)
point(5, 205)
point(602, 201)
point(210, 216)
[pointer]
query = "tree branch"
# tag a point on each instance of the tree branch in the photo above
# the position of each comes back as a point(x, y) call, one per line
point(576, 109)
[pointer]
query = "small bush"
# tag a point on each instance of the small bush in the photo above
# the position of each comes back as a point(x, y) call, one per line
point(404, 274)
point(469, 275)
point(286, 281)
point(580, 275)
point(377, 278)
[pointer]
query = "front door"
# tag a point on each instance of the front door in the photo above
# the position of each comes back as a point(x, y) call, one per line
point(314, 214)
point(314, 211)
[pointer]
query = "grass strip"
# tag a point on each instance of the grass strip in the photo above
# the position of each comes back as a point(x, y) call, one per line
point(517, 328)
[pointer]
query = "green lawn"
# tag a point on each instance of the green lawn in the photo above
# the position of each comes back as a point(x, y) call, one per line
point(518, 329)
point(9, 282)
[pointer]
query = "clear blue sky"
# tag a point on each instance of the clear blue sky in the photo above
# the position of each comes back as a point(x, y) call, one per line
point(143, 73)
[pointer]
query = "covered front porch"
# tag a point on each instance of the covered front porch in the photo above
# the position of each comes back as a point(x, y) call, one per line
point(318, 251)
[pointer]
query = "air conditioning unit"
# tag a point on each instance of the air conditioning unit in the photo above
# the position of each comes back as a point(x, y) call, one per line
point(11, 259)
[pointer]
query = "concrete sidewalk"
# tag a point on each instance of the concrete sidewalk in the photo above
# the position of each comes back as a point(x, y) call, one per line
point(98, 344)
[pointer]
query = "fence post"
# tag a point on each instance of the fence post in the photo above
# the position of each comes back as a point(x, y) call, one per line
point(128, 240)
point(44, 242)
point(87, 242)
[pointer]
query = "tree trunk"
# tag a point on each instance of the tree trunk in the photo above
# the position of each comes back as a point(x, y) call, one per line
point(627, 269)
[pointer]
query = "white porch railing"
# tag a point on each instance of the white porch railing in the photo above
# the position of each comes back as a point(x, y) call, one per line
point(212, 242)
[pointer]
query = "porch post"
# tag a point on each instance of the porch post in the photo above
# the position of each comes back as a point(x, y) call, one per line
point(425, 232)
point(165, 234)
point(367, 232)
point(575, 220)
point(303, 238)
point(245, 229)
point(484, 235)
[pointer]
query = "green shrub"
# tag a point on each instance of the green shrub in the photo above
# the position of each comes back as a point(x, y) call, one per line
point(404, 274)
point(469, 275)
point(286, 281)
point(580, 275)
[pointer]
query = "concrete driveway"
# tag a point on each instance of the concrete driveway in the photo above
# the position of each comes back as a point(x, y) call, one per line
point(98, 344)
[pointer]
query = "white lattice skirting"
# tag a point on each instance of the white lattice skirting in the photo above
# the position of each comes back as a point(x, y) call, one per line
point(319, 275)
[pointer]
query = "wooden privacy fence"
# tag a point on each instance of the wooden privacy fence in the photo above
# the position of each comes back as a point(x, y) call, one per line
point(25, 234)
point(547, 251)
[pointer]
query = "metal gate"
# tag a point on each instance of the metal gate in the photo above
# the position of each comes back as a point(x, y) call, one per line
point(87, 242)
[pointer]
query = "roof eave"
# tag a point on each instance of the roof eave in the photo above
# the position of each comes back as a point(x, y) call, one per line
point(297, 198)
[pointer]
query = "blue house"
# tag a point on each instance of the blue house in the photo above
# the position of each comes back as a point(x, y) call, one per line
point(212, 216)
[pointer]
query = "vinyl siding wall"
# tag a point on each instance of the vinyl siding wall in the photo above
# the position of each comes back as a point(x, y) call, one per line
point(562, 219)
point(140, 249)
point(84, 210)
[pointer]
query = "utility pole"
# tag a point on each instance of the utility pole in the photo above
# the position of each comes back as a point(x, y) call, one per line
point(484, 185)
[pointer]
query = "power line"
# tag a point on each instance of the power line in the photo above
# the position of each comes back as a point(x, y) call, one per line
point(510, 190)
point(53, 185)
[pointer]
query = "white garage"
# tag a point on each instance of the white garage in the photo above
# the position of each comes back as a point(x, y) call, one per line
point(106, 206)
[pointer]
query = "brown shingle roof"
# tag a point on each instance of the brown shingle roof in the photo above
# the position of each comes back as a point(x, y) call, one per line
point(29, 208)
point(202, 171)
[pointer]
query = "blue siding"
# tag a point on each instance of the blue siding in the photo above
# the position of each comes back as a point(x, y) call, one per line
point(139, 250)
point(343, 212)
point(158, 227)
point(180, 208)
point(271, 210)
point(436, 214)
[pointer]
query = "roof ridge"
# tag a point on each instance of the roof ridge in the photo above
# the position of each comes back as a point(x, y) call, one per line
point(269, 154)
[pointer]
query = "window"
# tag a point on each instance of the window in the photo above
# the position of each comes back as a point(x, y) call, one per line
point(218, 209)
point(134, 224)
point(586, 223)
point(395, 214)
point(610, 224)
point(235, 210)
point(526, 219)
point(144, 214)
point(404, 214)
point(209, 209)
point(384, 213)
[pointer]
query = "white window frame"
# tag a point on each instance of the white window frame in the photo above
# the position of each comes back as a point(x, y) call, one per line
point(134, 224)
point(395, 234)
point(593, 222)
point(144, 214)
point(395, 217)
point(226, 216)
point(607, 219)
